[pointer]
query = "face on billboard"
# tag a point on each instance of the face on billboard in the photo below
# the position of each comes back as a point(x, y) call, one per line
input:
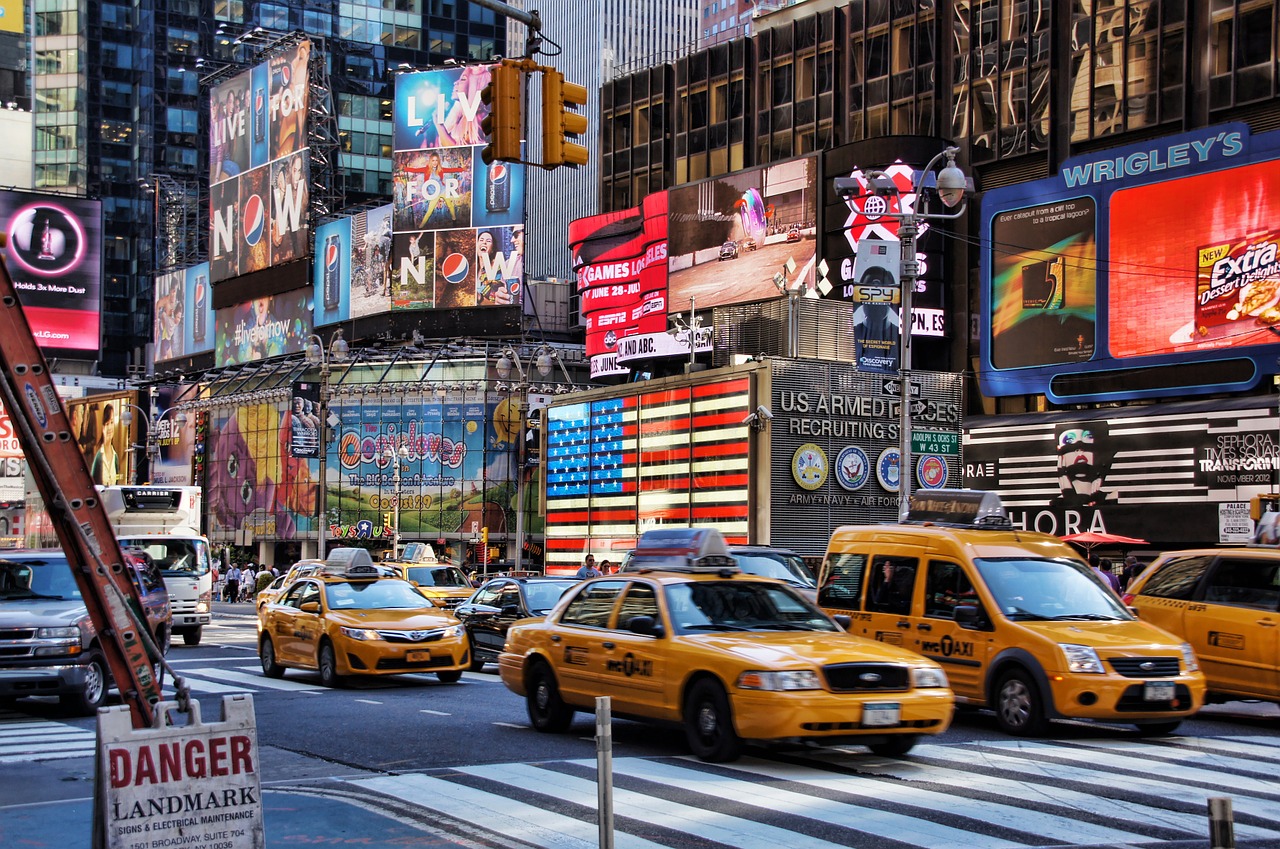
point(731, 235)
point(55, 258)
point(230, 128)
point(170, 313)
point(290, 202)
point(264, 327)
point(104, 441)
point(253, 483)
point(287, 78)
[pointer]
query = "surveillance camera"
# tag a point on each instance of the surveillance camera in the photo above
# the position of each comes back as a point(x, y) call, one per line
point(764, 413)
point(847, 187)
point(750, 419)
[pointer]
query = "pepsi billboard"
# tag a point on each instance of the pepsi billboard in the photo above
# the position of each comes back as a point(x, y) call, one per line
point(457, 224)
point(353, 266)
point(184, 317)
point(54, 254)
point(259, 166)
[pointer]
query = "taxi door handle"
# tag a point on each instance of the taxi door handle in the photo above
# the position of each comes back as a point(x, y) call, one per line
point(555, 638)
point(608, 645)
point(1266, 623)
point(924, 626)
point(904, 624)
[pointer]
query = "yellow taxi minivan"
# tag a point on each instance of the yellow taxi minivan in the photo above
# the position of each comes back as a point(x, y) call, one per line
point(1226, 603)
point(1020, 624)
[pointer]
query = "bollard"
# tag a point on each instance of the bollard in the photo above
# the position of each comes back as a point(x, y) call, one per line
point(1222, 833)
point(604, 769)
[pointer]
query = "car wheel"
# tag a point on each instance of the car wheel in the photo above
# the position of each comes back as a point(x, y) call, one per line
point(94, 694)
point(1158, 729)
point(450, 676)
point(191, 637)
point(708, 724)
point(547, 711)
point(477, 662)
point(267, 656)
point(1019, 710)
point(894, 747)
point(328, 664)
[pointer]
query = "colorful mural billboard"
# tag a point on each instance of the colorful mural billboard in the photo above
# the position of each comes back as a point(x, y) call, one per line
point(259, 166)
point(1157, 263)
point(54, 255)
point(106, 443)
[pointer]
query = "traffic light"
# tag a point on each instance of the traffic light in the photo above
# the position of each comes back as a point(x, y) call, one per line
point(484, 538)
point(503, 123)
point(386, 520)
point(560, 124)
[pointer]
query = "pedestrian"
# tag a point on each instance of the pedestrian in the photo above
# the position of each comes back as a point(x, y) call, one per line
point(1104, 569)
point(606, 567)
point(588, 568)
point(248, 578)
point(233, 583)
point(1132, 569)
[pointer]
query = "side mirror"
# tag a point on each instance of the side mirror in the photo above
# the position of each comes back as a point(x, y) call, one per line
point(843, 620)
point(645, 626)
point(968, 616)
point(310, 607)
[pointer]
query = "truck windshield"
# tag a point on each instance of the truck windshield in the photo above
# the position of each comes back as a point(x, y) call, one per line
point(175, 557)
point(1042, 589)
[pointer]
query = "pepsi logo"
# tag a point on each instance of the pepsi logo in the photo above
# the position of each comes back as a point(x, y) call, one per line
point(454, 268)
point(255, 220)
point(331, 256)
point(46, 239)
point(497, 173)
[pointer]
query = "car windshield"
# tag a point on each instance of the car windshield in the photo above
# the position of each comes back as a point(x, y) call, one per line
point(438, 576)
point(784, 567)
point(45, 578)
point(700, 606)
point(1044, 589)
point(374, 595)
point(543, 595)
point(176, 557)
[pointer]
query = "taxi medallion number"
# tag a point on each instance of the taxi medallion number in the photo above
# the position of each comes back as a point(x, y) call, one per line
point(417, 656)
point(1157, 691)
point(878, 715)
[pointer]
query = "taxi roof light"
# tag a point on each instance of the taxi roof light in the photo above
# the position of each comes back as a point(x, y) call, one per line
point(965, 508)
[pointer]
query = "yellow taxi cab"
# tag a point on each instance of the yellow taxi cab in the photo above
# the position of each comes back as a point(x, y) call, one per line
point(1019, 622)
point(1226, 603)
point(351, 617)
point(443, 584)
point(729, 656)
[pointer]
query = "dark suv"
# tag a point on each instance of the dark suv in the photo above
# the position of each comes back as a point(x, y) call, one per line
point(764, 560)
point(48, 645)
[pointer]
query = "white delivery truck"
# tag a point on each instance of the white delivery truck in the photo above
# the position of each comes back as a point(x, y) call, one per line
point(164, 521)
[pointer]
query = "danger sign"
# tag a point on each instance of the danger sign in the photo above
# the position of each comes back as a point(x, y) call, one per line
point(190, 785)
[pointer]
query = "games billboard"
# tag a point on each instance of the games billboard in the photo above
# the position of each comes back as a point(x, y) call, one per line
point(457, 223)
point(1146, 270)
point(54, 255)
point(259, 166)
point(731, 236)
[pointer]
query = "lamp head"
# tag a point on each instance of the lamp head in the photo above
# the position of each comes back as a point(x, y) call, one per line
point(126, 416)
point(315, 353)
point(952, 182)
point(339, 348)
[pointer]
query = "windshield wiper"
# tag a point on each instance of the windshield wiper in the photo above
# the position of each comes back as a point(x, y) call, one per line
point(1019, 613)
point(781, 626)
point(715, 626)
point(45, 596)
point(1088, 617)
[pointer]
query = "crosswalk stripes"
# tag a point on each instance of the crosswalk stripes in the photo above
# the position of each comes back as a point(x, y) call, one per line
point(997, 794)
point(23, 739)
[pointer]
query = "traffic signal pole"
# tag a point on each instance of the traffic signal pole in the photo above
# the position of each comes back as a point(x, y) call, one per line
point(530, 18)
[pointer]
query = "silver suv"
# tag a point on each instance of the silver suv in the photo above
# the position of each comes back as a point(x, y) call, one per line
point(48, 645)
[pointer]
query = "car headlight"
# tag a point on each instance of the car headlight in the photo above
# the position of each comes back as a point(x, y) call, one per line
point(928, 677)
point(791, 679)
point(1189, 658)
point(1081, 658)
point(454, 631)
point(57, 633)
point(360, 633)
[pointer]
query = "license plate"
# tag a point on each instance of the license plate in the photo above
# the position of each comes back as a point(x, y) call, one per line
point(1157, 691)
point(881, 715)
point(417, 656)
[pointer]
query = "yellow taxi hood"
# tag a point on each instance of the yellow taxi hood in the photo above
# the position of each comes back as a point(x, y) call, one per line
point(1130, 636)
point(771, 648)
point(415, 619)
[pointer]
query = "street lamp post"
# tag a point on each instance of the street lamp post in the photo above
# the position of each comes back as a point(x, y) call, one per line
point(951, 186)
point(396, 458)
point(318, 355)
point(152, 444)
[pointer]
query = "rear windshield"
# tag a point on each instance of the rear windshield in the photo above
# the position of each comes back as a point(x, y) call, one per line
point(437, 576)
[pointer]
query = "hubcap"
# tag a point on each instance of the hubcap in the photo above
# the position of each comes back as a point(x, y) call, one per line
point(707, 721)
point(93, 682)
point(543, 696)
point(1015, 705)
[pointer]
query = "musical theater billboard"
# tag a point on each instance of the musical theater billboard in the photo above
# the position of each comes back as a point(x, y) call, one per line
point(259, 166)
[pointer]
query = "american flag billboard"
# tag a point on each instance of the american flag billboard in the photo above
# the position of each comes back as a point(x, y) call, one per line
point(616, 467)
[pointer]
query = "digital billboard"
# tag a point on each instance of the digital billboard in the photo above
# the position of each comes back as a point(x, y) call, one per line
point(184, 314)
point(54, 255)
point(1145, 270)
point(11, 15)
point(620, 259)
point(106, 443)
point(259, 166)
point(353, 266)
point(264, 327)
point(175, 441)
point(458, 223)
point(730, 236)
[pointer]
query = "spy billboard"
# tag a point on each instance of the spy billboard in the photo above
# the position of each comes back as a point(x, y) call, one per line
point(259, 166)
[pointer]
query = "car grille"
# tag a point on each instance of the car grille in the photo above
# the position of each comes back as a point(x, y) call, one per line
point(858, 677)
point(1131, 701)
point(449, 603)
point(1145, 667)
point(385, 663)
point(17, 634)
point(411, 636)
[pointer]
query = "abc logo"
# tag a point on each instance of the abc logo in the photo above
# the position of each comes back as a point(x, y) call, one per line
point(255, 220)
point(498, 173)
point(454, 268)
point(331, 256)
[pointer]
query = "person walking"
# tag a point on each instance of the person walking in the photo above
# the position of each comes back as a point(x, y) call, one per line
point(588, 568)
point(1104, 570)
point(248, 581)
point(1133, 567)
point(233, 583)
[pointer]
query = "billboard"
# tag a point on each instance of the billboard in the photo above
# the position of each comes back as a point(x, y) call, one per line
point(457, 223)
point(259, 166)
point(1139, 271)
point(731, 236)
point(11, 15)
point(172, 464)
point(54, 255)
point(264, 327)
point(353, 266)
point(183, 313)
point(107, 445)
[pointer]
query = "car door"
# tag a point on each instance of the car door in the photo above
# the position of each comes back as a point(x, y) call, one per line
point(578, 641)
point(491, 632)
point(479, 612)
point(279, 623)
point(633, 665)
point(963, 652)
point(890, 590)
point(1235, 634)
point(298, 630)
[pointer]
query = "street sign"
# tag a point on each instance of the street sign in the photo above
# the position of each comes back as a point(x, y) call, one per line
point(893, 386)
point(935, 442)
point(188, 785)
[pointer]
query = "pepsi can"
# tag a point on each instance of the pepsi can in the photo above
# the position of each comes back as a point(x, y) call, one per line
point(259, 116)
point(332, 271)
point(199, 320)
point(497, 196)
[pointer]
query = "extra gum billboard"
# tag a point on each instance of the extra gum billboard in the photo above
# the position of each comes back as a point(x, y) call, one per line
point(1156, 262)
